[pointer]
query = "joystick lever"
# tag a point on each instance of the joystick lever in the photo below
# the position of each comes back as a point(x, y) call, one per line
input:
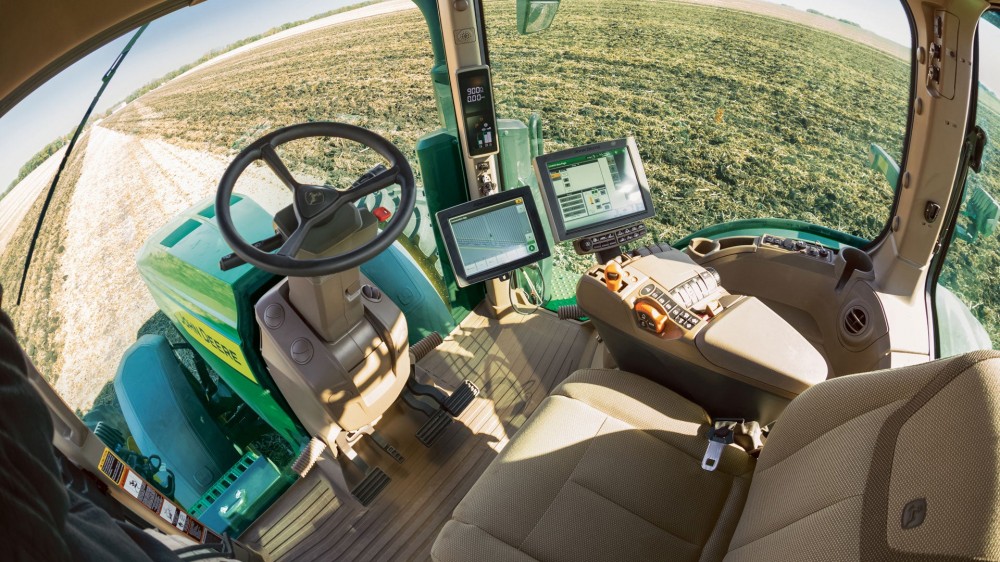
point(613, 276)
point(654, 318)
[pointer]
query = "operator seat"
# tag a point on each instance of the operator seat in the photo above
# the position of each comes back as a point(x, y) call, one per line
point(896, 464)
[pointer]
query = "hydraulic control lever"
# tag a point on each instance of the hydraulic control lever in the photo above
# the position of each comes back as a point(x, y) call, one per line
point(231, 261)
point(654, 318)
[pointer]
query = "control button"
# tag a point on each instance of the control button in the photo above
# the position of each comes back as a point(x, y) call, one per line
point(647, 290)
point(800, 245)
point(692, 294)
point(651, 316)
point(700, 285)
point(274, 316)
point(788, 244)
point(823, 252)
point(301, 351)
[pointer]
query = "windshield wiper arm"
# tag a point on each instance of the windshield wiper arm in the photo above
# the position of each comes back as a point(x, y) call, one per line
point(105, 80)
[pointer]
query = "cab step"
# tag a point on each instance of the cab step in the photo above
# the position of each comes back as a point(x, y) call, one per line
point(368, 489)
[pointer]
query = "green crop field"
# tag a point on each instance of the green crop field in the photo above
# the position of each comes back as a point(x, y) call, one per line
point(737, 115)
point(723, 137)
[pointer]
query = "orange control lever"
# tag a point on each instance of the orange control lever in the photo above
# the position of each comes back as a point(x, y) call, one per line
point(655, 319)
point(613, 276)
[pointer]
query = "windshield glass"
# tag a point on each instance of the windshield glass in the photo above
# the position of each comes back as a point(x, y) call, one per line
point(742, 110)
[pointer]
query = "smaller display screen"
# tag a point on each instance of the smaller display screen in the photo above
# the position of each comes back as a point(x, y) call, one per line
point(594, 188)
point(493, 235)
point(477, 110)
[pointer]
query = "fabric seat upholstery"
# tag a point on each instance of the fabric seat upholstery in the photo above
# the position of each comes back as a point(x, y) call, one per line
point(896, 464)
point(584, 479)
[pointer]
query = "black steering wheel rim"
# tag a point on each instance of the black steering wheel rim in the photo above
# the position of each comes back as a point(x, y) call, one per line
point(330, 200)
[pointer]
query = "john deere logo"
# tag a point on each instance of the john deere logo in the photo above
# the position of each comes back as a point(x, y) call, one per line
point(314, 197)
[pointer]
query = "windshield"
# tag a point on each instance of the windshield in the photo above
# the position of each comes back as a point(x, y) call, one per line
point(742, 110)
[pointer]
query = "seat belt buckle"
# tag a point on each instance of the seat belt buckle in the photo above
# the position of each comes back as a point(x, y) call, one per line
point(719, 437)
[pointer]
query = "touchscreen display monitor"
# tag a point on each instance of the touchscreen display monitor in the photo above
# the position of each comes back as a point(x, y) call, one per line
point(594, 188)
point(494, 235)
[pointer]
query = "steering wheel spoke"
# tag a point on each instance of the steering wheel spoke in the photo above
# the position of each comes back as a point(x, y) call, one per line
point(293, 244)
point(273, 161)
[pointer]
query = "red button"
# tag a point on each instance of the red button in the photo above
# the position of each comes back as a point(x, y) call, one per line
point(382, 214)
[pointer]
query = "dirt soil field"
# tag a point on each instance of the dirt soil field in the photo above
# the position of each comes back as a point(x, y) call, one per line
point(129, 188)
point(16, 204)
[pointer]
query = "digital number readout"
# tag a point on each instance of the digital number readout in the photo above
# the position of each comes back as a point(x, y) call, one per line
point(477, 111)
point(474, 94)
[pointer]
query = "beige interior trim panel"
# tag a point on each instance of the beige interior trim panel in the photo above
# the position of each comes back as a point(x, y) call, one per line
point(40, 39)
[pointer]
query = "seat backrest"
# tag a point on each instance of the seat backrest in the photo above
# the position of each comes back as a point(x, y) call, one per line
point(897, 464)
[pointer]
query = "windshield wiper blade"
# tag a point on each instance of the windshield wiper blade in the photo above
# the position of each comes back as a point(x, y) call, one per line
point(105, 80)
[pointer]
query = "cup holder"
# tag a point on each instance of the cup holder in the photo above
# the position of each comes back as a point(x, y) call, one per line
point(701, 247)
point(853, 260)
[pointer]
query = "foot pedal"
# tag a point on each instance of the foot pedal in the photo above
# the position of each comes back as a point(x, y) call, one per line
point(387, 447)
point(368, 489)
point(434, 427)
point(461, 398)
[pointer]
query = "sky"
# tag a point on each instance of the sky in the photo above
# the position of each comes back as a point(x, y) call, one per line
point(886, 18)
point(180, 38)
point(55, 108)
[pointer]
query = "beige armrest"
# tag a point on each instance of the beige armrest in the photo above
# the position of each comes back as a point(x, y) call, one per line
point(752, 340)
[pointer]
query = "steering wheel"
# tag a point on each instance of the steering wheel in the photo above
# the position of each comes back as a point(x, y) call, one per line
point(314, 205)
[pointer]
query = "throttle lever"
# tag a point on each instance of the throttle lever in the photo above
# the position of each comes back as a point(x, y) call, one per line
point(371, 173)
point(232, 261)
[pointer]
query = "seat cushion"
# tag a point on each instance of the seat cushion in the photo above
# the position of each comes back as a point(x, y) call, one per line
point(609, 468)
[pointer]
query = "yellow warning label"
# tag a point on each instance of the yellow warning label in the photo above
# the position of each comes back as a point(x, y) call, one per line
point(112, 466)
point(223, 347)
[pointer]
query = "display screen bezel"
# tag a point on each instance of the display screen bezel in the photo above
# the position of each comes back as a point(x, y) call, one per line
point(445, 217)
point(463, 77)
point(551, 200)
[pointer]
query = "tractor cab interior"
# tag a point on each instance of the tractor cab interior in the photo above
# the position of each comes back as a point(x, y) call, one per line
point(479, 347)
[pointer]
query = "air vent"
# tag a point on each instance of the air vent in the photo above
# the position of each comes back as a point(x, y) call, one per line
point(855, 321)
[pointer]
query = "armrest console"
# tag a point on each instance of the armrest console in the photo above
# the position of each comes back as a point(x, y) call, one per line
point(671, 321)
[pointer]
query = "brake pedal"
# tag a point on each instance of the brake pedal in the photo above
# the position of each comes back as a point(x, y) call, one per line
point(461, 398)
point(368, 489)
point(434, 427)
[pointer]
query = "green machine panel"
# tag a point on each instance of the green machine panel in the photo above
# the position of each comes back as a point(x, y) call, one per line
point(444, 182)
point(213, 309)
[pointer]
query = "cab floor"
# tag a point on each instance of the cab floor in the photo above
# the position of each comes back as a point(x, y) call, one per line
point(515, 361)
